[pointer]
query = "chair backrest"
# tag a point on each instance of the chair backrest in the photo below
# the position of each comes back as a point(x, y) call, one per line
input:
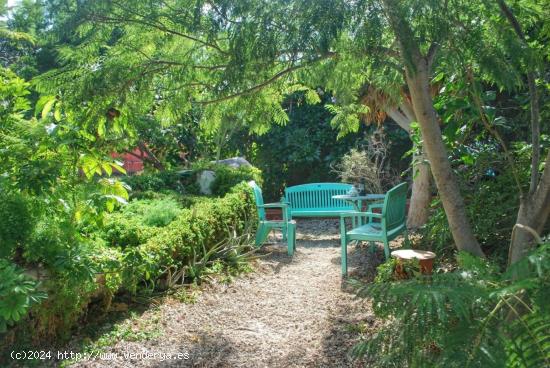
point(394, 209)
point(317, 195)
point(259, 199)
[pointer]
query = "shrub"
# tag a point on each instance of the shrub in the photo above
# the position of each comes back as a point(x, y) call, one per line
point(49, 239)
point(226, 177)
point(138, 221)
point(155, 213)
point(81, 272)
point(497, 319)
point(16, 222)
point(125, 231)
point(368, 167)
point(194, 232)
point(18, 293)
point(492, 201)
point(156, 182)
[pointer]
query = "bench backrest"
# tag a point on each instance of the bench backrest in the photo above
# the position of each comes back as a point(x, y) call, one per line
point(317, 196)
point(394, 209)
point(259, 199)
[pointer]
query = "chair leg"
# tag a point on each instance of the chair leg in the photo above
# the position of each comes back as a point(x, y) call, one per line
point(285, 231)
point(387, 249)
point(291, 238)
point(372, 246)
point(344, 251)
point(407, 241)
point(261, 235)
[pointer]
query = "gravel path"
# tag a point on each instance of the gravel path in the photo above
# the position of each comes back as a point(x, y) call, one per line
point(289, 313)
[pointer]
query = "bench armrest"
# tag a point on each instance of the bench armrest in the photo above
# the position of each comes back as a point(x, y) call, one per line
point(375, 205)
point(274, 205)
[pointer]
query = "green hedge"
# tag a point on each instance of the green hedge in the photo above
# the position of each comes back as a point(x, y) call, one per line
point(102, 271)
point(201, 227)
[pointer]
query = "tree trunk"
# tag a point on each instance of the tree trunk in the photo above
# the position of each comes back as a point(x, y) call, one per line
point(421, 194)
point(421, 188)
point(534, 211)
point(447, 185)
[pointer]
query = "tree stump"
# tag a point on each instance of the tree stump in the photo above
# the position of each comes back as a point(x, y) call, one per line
point(425, 260)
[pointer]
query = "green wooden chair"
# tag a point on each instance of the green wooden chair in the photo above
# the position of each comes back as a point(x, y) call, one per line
point(391, 223)
point(286, 225)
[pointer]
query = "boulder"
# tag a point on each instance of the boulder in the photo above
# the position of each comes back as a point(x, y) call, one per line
point(205, 180)
point(234, 162)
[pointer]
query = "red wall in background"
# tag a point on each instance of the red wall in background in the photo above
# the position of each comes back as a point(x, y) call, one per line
point(132, 162)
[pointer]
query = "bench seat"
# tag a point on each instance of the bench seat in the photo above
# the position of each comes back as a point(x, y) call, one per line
point(319, 212)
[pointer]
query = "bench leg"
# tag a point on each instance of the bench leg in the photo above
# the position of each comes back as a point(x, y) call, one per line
point(285, 232)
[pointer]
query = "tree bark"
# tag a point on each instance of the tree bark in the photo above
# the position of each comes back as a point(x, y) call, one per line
point(445, 180)
point(421, 187)
point(417, 73)
point(421, 196)
point(534, 211)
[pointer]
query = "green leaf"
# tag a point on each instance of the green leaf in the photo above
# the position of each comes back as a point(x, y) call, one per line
point(47, 108)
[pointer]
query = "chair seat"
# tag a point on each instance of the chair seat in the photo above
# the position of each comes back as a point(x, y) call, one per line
point(369, 230)
point(278, 223)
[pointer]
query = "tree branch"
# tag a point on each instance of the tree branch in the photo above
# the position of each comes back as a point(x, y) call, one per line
point(400, 118)
point(160, 27)
point(432, 51)
point(265, 83)
point(533, 94)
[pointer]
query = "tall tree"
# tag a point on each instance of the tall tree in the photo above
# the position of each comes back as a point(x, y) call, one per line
point(238, 58)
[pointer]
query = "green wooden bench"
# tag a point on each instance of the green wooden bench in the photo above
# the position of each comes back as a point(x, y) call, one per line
point(265, 226)
point(390, 223)
point(315, 200)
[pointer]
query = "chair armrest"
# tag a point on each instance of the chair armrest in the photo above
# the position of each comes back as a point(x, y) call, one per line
point(285, 209)
point(362, 214)
point(375, 197)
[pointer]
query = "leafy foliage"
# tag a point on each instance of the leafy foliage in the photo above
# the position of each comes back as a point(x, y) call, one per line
point(498, 319)
point(16, 222)
point(18, 293)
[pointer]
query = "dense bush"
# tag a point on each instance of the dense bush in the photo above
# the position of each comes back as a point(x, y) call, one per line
point(304, 149)
point(157, 184)
point(227, 177)
point(498, 319)
point(16, 222)
point(79, 271)
point(139, 220)
point(123, 231)
point(18, 293)
point(492, 201)
point(154, 181)
point(193, 233)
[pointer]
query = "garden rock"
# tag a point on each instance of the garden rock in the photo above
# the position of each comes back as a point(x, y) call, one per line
point(205, 180)
point(234, 162)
